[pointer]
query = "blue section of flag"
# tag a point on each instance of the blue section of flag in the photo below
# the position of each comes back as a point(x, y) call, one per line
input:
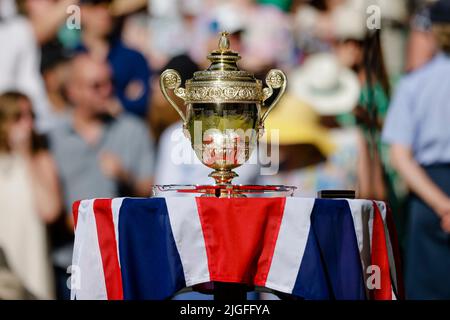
point(331, 266)
point(150, 262)
point(311, 280)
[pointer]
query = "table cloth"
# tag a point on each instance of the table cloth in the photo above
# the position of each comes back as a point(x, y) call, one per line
point(130, 248)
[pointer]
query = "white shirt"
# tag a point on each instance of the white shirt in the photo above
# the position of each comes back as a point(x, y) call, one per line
point(22, 233)
point(19, 67)
point(178, 164)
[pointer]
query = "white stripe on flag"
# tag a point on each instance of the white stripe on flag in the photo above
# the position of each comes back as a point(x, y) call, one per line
point(294, 232)
point(87, 259)
point(78, 243)
point(362, 213)
point(115, 208)
point(189, 239)
point(382, 206)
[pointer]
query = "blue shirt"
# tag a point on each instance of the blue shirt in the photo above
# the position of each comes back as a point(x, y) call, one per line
point(419, 114)
point(129, 67)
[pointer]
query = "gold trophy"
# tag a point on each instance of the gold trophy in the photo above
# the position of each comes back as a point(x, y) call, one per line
point(224, 110)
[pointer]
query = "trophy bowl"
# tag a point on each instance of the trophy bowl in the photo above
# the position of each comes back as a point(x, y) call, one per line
point(224, 106)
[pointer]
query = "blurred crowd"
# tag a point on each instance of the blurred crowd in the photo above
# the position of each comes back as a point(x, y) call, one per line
point(82, 115)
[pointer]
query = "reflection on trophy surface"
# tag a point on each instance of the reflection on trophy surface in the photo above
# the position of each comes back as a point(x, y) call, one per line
point(224, 110)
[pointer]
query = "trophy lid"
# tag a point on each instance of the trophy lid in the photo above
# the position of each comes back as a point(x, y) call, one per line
point(223, 81)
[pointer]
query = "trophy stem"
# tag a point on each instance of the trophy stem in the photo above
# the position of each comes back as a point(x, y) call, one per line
point(223, 176)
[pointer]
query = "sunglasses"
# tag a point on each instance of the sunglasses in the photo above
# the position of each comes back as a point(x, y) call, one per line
point(98, 85)
point(23, 115)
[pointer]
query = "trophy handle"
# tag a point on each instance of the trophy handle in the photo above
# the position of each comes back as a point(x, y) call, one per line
point(275, 79)
point(170, 79)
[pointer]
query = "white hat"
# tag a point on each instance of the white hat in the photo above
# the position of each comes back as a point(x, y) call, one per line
point(349, 23)
point(325, 85)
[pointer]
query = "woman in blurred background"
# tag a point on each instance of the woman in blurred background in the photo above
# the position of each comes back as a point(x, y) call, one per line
point(29, 194)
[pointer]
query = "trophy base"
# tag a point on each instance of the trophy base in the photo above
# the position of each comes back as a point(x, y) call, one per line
point(225, 191)
point(223, 177)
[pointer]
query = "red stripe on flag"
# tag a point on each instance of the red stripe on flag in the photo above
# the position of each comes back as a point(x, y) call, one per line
point(397, 257)
point(75, 209)
point(108, 248)
point(380, 257)
point(240, 237)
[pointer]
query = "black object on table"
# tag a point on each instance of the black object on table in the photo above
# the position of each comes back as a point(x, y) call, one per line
point(336, 194)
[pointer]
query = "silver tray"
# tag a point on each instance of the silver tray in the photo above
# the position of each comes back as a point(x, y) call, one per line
point(224, 191)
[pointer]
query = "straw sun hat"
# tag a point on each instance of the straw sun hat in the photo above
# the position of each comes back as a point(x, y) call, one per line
point(325, 85)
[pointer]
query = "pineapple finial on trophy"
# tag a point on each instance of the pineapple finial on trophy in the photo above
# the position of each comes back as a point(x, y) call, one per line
point(224, 42)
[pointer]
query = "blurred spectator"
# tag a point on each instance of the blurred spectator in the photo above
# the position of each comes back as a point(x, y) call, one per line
point(19, 66)
point(11, 288)
point(417, 129)
point(364, 54)
point(45, 16)
point(421, 43)
point(362, 15)
point(362, 51)
point(192, 26)
point(394, 25)
point(29, 194)
point(98, 154)
point(55, 67)
point(320, 22)
point(177, 27)
point(130, 71)
point(314, 25)
point(266, 45)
